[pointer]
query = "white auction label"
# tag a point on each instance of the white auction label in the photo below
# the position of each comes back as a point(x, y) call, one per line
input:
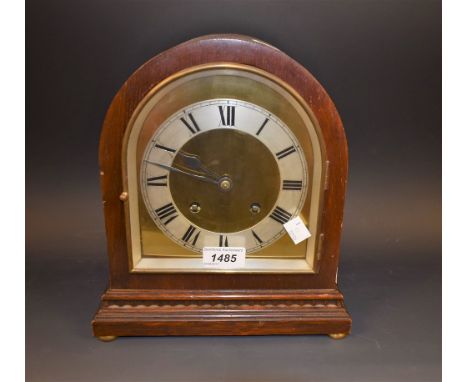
point(297, 230)
point(224, 257)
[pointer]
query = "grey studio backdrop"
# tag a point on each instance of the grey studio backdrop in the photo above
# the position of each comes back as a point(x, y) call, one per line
point(380, 61)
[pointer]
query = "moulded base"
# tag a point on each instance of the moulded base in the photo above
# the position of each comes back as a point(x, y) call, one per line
point(246, 312)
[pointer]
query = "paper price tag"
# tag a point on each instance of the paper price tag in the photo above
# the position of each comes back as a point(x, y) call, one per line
point(297, 230)
point(224, 257)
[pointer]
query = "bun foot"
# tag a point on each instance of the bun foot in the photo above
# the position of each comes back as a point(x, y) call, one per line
point(107, 338)
point(338, 336)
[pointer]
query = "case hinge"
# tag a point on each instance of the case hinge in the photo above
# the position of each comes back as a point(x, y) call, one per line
point(320, 246)
point(327, 166)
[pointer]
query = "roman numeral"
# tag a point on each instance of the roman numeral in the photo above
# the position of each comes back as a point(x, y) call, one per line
point(194, 127)
point(257, 238)
point(164, 148)
point(285, 152)
point(229, 118)
point(292, 184)
point(280, 215)
point(167, 212)
point(189, 233)
point(157, 181)
point(261, 127)
point(223, 240)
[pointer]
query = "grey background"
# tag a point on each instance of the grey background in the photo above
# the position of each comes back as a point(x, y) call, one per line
point(381, 63)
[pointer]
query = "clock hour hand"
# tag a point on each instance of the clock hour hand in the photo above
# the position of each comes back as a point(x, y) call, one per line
point(174, 169)
point(194, 162)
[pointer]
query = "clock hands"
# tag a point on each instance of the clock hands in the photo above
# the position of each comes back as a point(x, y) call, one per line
point(174, 169)
point(193, 162)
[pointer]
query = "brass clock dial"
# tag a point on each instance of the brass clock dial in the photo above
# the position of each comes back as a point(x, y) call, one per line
point(223, 172)
point(222, 155)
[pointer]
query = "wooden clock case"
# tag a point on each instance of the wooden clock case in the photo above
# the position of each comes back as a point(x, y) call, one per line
point(155, 304)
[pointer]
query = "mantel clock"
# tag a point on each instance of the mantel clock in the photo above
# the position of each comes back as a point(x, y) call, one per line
point(223, 171)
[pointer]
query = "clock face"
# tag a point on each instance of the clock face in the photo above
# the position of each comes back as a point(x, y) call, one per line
point(221, 155)
point(223, 172)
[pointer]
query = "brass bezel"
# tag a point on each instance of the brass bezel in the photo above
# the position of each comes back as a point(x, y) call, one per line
point(137, 263)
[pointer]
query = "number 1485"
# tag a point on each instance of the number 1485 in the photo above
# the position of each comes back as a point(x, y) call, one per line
point(226, 258)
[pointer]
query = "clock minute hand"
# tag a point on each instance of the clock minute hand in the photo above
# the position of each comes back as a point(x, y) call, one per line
point(174, 169)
